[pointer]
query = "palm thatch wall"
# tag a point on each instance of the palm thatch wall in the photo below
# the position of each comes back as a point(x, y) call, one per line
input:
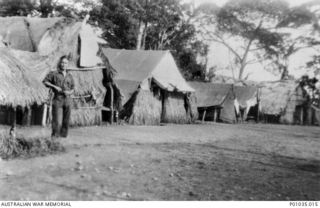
point(281, 99)
point(146, 107)
point(175, 109)
point(143, 108)
point(21, 94)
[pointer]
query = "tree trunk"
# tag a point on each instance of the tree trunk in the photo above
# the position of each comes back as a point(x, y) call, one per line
point(243, 61)
point(140, 34)
point(143, 24)
point(144, 36)
point(241, 70)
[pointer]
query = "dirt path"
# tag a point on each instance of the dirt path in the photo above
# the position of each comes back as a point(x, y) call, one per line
point(173, 162)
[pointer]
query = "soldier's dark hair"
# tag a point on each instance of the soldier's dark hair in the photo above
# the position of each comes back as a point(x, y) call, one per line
point(63, 57)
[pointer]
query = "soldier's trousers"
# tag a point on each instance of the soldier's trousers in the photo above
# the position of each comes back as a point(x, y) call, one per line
point(61, 111)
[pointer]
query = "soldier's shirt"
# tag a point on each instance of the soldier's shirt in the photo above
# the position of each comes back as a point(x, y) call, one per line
point(57, 78)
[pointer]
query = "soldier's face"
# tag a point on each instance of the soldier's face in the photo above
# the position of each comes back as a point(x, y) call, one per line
point(64, 64)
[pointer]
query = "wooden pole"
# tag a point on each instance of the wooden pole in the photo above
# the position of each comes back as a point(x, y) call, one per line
point(49, 117)
point(215, 115)
point(111, 103)
point(258, 105)
point(29, 114)
point(44, 115)
point(204, 115)
point(301, 116)
point(117, 116)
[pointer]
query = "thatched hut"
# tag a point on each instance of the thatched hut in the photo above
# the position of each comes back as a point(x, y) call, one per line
point(21, 94)
point(282, 102)
point(219, 102)
point(42, 41)
point(152, 87)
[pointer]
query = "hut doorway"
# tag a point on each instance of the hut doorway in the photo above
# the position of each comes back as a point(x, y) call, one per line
point(111, 104)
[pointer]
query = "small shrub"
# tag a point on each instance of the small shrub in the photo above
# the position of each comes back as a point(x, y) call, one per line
point(26, 148)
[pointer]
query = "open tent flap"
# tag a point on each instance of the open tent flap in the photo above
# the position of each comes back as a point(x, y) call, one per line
point(227, 113)
point(237, 106)
point(89, 47)
point(250, 103)
point(168, 76)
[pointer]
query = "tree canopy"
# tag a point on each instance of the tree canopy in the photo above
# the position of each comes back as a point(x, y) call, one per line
point(252, 30)
point(152, 25)
point(263, 29)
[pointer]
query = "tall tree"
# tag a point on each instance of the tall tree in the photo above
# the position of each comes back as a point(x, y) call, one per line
point(262, 29)
point(241, 25)
point(151, 25)
point(299, 29)
point(118, 23)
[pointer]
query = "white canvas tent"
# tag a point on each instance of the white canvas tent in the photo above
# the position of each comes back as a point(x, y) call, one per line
point(147, 72)
point(141, 66)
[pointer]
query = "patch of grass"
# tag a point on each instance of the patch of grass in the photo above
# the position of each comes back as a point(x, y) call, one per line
point(27, 148)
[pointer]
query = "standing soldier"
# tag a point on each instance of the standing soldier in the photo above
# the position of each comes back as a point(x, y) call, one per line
point(62, 84)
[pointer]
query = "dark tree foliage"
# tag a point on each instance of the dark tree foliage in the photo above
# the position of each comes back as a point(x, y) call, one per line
point(164, 28)
point(118, 22)
point(16, 7)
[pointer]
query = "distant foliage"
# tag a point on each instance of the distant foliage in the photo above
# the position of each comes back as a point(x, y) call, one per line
point(17, 7)
point(153, 25)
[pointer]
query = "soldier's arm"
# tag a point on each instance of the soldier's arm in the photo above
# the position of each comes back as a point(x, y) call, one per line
point(48, 82)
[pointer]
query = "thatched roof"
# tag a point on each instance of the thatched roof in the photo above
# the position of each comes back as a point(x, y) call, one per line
point(40, 42)
point(274, 96)
point(142, 66)
point(209, 94)
point(52, 37)
point(19, 84)
point(37, 64)
point(24, 33)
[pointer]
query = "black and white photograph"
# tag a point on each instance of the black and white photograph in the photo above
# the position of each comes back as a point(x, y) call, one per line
point(159, 101)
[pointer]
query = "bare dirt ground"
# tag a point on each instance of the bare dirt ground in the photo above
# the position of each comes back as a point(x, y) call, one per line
point(171, 162)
